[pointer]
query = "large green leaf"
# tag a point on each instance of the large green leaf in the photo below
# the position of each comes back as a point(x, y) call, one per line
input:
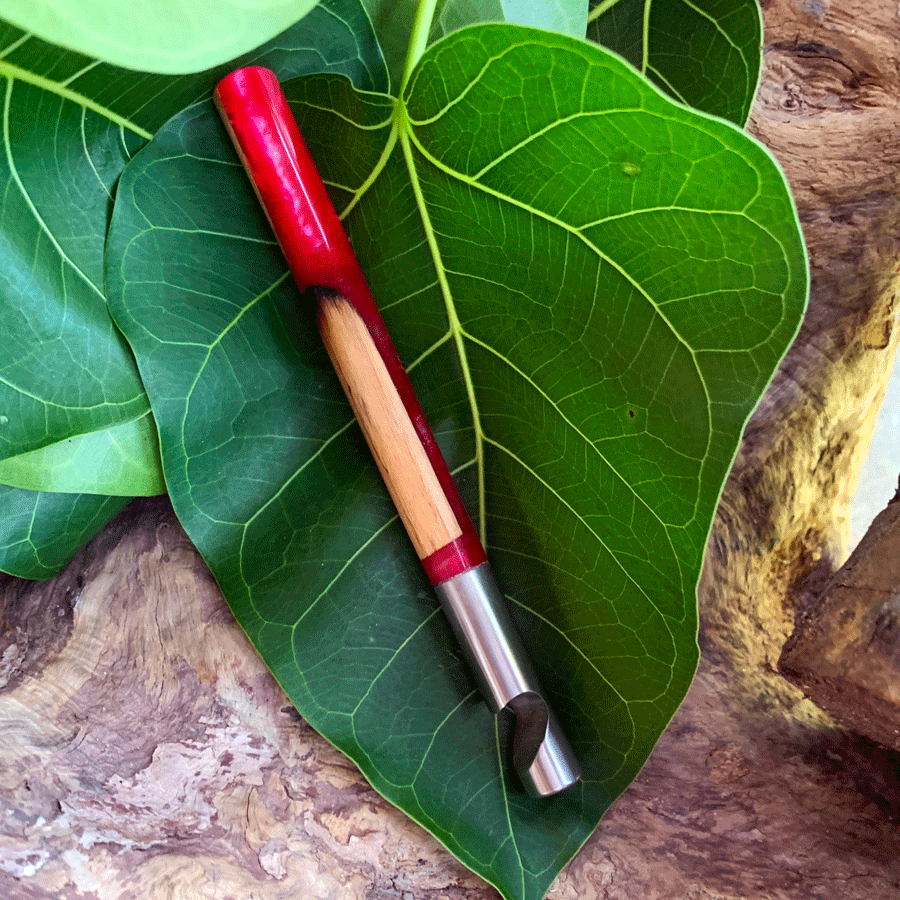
point(393, 20)
point(41, 531)
point(705, 53)
point(65, 369)
point(69, 389)
point(120, 461)
point(170, 36)
point(591, 287)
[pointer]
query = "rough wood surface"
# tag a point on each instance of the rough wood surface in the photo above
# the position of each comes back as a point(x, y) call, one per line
point(154, 757)
point(844, 653)
point(145, 752)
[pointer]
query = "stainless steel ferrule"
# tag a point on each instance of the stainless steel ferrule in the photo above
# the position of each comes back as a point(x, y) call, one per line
point(481, 621)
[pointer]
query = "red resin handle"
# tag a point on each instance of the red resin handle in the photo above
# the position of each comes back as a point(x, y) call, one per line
point(285, 178)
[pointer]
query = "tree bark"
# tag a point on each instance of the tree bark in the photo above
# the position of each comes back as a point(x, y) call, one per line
point(146, 752)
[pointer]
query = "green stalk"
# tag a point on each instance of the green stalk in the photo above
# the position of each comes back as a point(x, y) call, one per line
point(599, 9)
point(418, 39)
point(645, 53)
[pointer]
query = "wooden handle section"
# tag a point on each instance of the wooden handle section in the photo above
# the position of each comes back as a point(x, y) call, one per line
point(401, 458)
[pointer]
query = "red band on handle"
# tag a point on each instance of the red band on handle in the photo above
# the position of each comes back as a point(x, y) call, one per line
point(318, 252)
point(458, 556)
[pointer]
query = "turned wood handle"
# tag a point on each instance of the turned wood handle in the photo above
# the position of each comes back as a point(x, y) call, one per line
point(401, 458)
point(268, 142)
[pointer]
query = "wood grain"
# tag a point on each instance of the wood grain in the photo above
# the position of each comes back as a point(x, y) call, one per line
point(412, 482)
point(845, 651)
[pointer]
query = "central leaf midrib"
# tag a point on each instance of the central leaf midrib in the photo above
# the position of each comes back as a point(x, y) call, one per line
point(404, 133)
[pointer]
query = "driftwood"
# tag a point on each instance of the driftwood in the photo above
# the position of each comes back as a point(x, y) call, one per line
point(145, 752)
point(845, 650)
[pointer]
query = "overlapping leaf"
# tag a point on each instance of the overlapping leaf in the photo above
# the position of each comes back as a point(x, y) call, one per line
point(590, 286)
point(120, 461)
point(42, 530)
point(69, 388)
point(705, 53)
point(169, 36)
point(393, 21)
point(55, 210)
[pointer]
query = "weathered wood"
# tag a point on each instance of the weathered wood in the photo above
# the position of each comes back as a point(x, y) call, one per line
point(845, 651)
point(154, 756)
point(145, 752)
point(828, 110)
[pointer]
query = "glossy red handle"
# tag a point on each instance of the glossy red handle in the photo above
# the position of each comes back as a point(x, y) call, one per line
point(257, 116)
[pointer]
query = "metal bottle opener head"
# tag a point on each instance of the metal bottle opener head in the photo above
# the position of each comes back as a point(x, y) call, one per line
point(481, 621)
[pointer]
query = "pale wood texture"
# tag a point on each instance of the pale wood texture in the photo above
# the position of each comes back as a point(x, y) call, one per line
point(145, 752)
point(413, 484)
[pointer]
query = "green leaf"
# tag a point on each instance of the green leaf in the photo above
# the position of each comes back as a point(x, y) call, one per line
point(393, 21)
point(705, 53)
point(168, 36)
point(122, 461)
point(590, 286)
point(41, 531)
point(69, 126)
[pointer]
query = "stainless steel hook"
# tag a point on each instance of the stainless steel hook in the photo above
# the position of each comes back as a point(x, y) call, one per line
point(481, 621)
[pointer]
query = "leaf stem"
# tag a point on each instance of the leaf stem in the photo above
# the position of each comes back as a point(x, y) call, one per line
point(645, 52)
point(452, 319)
point(418, 38)
point(600, 8)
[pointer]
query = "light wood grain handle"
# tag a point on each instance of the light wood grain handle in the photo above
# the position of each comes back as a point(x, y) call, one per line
point(391, 436)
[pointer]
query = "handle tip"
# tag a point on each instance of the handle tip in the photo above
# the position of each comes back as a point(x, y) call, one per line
point(260, 123)
point(236, 86)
